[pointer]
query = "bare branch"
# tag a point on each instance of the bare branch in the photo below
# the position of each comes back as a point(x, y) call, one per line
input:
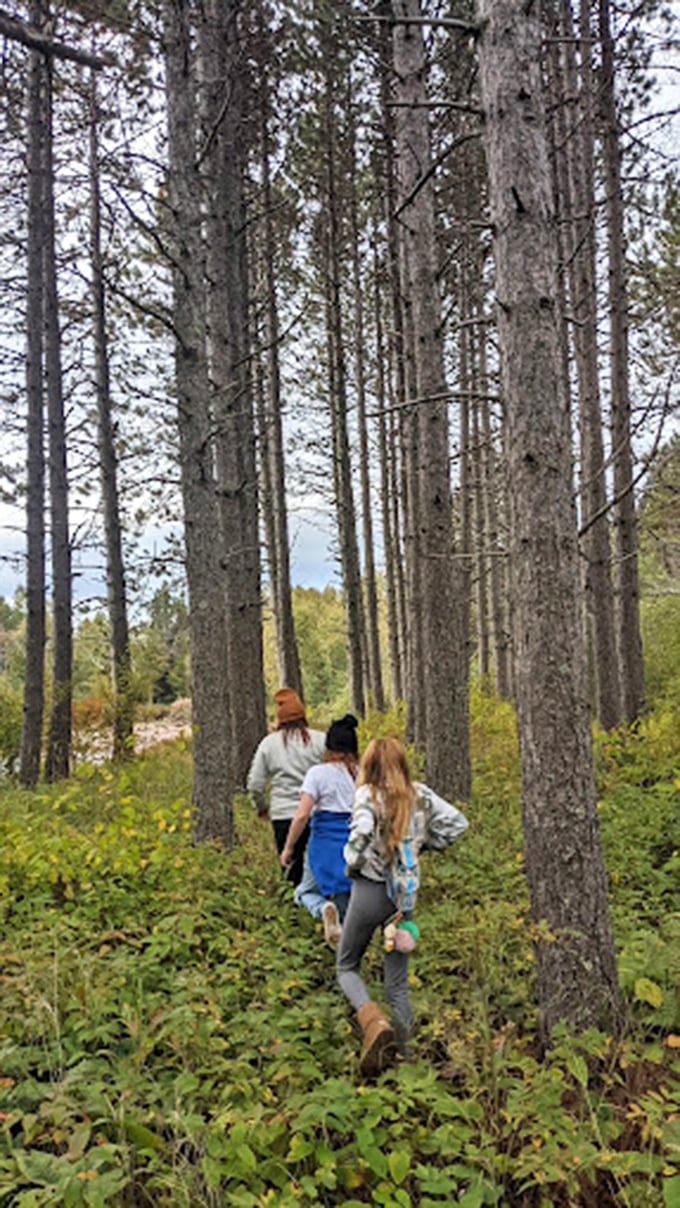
point(28, 35)
point(468, 27)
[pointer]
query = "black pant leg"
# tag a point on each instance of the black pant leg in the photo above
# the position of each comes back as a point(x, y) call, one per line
point(281, 827)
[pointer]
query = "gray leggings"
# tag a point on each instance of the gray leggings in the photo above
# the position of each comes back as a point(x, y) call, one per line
point(369, 906)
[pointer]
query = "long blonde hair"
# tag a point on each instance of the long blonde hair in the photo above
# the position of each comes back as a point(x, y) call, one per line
point(385, 768)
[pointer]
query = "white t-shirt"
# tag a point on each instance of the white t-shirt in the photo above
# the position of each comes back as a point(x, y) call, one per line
point(331, 786)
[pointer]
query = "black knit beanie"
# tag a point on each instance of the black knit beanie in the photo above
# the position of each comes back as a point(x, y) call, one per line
point(342, 735)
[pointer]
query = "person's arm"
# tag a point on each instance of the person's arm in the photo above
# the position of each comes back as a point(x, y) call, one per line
point(445, 822)
point(298, 824)
point(256, 783)
point(360, 832)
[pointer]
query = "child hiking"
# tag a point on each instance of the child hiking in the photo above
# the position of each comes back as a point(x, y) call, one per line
point(393, 819)
point(326, 800)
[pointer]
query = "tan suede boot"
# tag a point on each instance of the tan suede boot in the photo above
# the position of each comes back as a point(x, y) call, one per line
point(380, 1046)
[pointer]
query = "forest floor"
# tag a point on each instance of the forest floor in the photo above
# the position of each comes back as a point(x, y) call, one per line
point(173, 1034)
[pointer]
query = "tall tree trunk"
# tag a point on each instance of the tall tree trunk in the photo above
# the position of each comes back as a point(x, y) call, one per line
point(375, 681)
point(287, 654)
point(108, 466)
point(408, 626)
point(31, 731)
point(577, 978)
point(214, 776)
point(223, 58)
point(492, 508)
point(440, 604)
point(58, 755)
point(390, 536)
point(466, 452)
point(480, 533)
point(625, 522)
point(344, 496)
point(579, 207)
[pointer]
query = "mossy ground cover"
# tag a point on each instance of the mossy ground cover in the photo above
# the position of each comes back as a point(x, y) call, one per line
point(172, 1033)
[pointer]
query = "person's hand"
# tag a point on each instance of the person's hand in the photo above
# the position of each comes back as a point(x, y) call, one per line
point(263, 812)
point(286, 858)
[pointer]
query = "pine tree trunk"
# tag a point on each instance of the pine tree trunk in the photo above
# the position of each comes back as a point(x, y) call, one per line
point(625, 521)
point(214, 777)
point(33, 706)
point(396, 379)
point(58, 755)
point(344, 497)
point(222, 51)
point(579, 207)
point(287, 654)
point(390, 536)
point(497, 554)
point(375, 680)
point(481, 542)
point(577, 979)
point(440, 605)
point(108, 467)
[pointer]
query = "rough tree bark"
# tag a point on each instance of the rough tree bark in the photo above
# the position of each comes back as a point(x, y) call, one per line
point(33, 705)
point(58, 754)
point(390, 531)
point(439, 599)
point(374, 667)
point(214, 774)
point(271, 435)
point(108, 466)
point(345, 511)
point(493, 507)
point(579, 224)
point(625, 521)
point(222, 51)
point(577, 979)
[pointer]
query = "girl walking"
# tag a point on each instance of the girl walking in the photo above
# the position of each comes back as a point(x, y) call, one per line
point(280, 762)
point(326, 804)
point(393, 819)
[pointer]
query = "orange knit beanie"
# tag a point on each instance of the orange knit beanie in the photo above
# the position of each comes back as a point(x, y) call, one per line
point(289, 707)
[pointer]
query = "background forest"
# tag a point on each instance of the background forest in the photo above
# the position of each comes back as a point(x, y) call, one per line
point(387, 293)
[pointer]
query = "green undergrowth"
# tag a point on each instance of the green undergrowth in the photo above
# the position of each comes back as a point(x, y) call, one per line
point(172, 1034)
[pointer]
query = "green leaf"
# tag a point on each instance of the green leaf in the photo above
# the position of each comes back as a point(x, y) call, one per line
point(399, 1162)
point(247, 1157)
point(142, 1136)
point(376, 1161)
point(671, 1192)
point(649, 992)
point(578, 1068)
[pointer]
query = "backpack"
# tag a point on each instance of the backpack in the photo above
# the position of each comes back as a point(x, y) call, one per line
point(403, 877)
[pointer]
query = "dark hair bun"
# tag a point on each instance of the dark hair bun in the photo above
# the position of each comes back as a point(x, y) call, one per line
point(342, 735)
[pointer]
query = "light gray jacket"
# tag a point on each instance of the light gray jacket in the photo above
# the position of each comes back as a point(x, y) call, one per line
point(434, 823)
point(283, 765)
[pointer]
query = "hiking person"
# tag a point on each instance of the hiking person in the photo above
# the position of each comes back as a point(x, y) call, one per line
point(280, 763)
point(326, 800)
point(393, 819)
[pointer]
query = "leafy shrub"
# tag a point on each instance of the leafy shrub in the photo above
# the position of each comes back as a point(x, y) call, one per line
point(660, 623)
point(641, 754)
point(10, 724)
point(391, 724)
point(172, 1034)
